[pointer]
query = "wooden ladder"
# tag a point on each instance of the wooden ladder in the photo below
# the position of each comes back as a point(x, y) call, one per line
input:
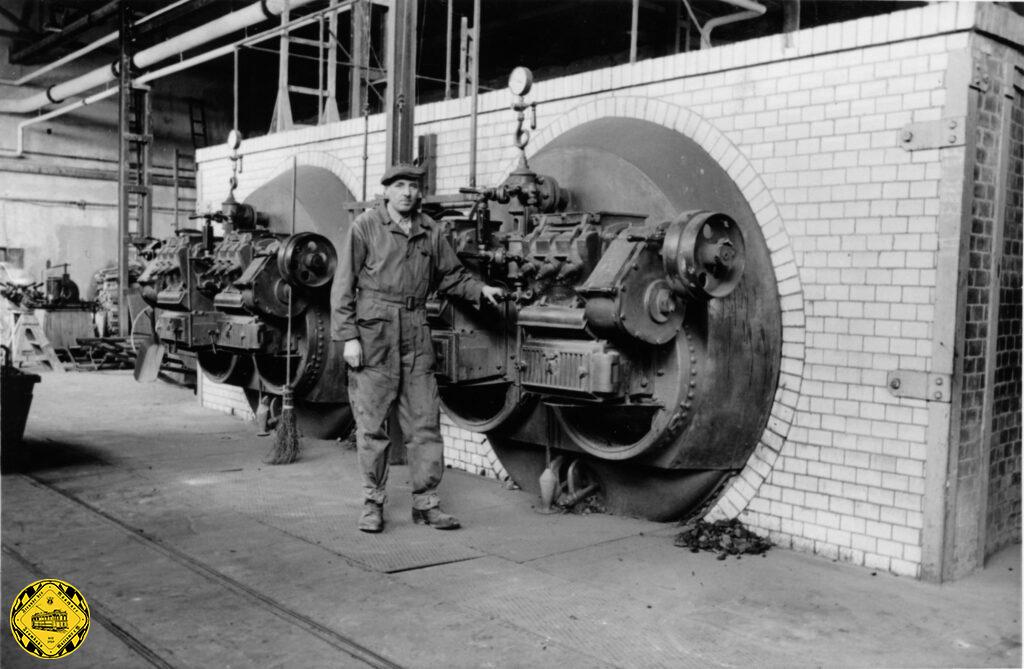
point(29, 344)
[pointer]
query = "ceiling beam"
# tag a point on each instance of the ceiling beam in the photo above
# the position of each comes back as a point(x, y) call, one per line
point(18, 21)
point(73, 29)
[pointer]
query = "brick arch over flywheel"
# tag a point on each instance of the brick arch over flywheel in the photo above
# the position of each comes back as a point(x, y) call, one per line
point(318, 159)
point(742, 488)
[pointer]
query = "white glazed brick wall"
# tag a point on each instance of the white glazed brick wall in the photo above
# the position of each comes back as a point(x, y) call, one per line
point(226, 399)
point(809, 133)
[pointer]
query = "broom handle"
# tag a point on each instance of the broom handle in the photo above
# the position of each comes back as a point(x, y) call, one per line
point(288, 355)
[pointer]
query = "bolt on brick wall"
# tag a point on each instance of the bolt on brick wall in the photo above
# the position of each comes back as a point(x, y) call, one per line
point(809, 133)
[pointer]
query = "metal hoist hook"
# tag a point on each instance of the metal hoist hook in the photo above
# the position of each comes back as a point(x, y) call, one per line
point(521, 136)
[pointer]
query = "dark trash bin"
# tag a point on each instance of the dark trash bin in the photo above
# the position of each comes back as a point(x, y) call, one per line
point(15, 400)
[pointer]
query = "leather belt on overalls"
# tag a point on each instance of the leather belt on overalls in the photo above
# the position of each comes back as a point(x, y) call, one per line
point(410, 303)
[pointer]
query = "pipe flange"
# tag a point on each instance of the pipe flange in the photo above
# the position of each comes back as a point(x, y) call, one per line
point(49, 96)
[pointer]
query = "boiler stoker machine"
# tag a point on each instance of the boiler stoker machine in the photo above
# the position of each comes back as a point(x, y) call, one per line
point(641, 344)
point(249, 292)
point(637, 353)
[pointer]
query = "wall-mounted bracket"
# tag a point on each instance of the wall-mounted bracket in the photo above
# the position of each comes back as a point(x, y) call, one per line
point(980, 78)
point(944, 132)
point(919, 385)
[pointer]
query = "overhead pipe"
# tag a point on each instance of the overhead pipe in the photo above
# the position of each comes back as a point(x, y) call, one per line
point(108, 92)
point(20, 150)
point(89, 48)
point(751, 9)
point(224, 25)
point(91, 19)
point(173, 68)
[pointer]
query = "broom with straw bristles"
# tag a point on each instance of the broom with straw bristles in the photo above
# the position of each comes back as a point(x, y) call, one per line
point(286, 437)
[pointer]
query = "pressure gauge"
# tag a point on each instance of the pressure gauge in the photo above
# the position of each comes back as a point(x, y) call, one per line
point(234, 140)
point(520, 81)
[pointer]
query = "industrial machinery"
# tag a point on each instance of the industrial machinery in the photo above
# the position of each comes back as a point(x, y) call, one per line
point(637, 354)
point(233, 291)
point(53, 292)
point(61, 290)
point(640, 349)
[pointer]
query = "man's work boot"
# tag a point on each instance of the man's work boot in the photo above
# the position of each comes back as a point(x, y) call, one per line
point(436, 518)
point(372, 519)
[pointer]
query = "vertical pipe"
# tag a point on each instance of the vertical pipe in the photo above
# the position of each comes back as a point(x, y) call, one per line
point(288, 340)
point(790, 19)
point(234, 92)
point(295, 195)
point(463, 55)
point(475, 70)
point(283, 108)
point(448, 55)
point(392, 65)
point(401, 94)
point(675, 31)
point(633, 30)
point(331, 113)
point(146, 165)
point(320, 75)
point(359, 72)
point(175, 177)
point(124, 99)
point(366, 147)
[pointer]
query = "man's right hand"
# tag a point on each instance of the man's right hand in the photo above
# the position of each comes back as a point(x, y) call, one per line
point(353, 353)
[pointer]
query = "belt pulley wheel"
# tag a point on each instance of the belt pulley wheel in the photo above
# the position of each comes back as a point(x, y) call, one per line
point(307, 259)
point(704, 254)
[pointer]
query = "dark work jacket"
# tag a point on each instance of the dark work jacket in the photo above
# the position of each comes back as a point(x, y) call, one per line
point(376, 254)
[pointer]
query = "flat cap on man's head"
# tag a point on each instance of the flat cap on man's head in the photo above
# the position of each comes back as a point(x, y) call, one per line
point(402, 171)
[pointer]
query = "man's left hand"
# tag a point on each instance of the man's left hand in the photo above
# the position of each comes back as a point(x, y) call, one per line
point(493, 294)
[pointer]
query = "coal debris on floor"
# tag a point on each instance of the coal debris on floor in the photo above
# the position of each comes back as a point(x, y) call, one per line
point(725, 537)
point(589, 504)
point(593, 503)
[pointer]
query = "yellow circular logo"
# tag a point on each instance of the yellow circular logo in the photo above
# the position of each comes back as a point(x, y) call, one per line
point(50, 619)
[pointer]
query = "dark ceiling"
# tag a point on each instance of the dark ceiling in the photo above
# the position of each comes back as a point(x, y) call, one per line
point(552, 37)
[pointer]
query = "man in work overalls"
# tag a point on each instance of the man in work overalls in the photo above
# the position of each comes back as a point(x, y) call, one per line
point(393, 257)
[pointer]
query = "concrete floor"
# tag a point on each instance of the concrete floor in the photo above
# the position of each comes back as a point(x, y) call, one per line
point(192, 553)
